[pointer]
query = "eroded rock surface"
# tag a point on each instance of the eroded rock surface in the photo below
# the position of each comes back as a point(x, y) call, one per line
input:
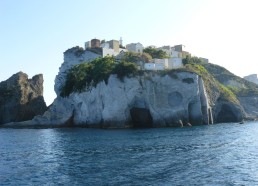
point(158, 101)
point(21, 98)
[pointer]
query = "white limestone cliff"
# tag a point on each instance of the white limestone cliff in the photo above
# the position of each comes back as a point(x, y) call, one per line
point(73, 56)
point(169, 101)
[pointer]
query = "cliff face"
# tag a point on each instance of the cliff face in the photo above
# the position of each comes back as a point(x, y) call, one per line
point(21, 98)
point(246, 92)
point(250, 105)
point(144, 101)
point(73, 56)
point(149, 100)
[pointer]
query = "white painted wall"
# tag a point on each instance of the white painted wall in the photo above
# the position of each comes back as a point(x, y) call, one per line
point(174, 53)
point(109, 51)
point(163, 62)
point(87, 44)
point(149, 66)
point(105, 45)
point(175, 62)
point(135, 47)
point(159, 66)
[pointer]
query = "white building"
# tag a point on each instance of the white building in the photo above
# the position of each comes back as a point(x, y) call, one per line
point(174, 53)
point(135, 47)
point(205, 60)
point(105, 45)
point(160, 64)
point(170, 51)
point(111, 52)
point(157, 64)
point(175, 62)
point(87, 44)
point(149, 66)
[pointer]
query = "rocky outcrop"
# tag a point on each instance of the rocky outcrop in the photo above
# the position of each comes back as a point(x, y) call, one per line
point(73, 56)
point(226, 112)
point(21, 98)
point(250, 105)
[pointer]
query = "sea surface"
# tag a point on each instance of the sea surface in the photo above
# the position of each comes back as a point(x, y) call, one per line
point(224, 154)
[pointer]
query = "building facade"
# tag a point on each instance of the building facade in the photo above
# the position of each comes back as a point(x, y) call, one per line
point(87, 44)
point(114, 44)
point(135, 47)
point(95, 43)
point(104, 45)
point(149, 66)
point(175, 62)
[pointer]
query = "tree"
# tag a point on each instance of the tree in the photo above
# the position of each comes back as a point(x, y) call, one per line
point(124, 69)
point(137, 57)
point(189, 60)
point(146, 57)
point(155, 53)
point(121, 46)
point(83, 76)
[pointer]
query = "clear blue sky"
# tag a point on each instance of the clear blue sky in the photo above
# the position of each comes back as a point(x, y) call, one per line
point(35, 33)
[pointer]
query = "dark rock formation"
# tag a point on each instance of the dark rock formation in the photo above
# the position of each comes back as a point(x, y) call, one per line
point(226, 112)
point(21, 98)
point(141, 117)
point(250, 104)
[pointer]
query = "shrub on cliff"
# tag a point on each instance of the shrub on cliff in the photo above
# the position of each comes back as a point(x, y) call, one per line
point(191, 60)
point(155, 53)
point(124, 69)
point(86, 75)
point(210, 82)
point(136, 57)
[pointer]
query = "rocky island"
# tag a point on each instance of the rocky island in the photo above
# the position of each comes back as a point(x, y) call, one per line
point(117, 92)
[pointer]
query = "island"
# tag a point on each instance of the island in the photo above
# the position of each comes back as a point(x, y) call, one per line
point(107, 85)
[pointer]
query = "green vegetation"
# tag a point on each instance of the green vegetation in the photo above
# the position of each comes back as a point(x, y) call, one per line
point(78, 51)
point(125, 69)
point(86, 75)
point(137, 57)
point(191, 60)
point(155, 53)
point(227, 94)
point(244, 88)
point(210, 82)
point(222, 78)
point(121, 46)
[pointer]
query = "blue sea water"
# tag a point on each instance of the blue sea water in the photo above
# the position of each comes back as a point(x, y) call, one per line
point(225, 154)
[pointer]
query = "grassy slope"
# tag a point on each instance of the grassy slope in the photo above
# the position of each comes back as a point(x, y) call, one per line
point(223, 76)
